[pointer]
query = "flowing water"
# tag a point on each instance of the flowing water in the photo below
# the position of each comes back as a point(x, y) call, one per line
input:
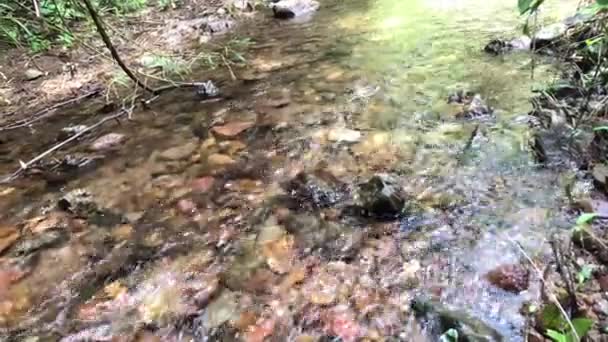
point(187, 236)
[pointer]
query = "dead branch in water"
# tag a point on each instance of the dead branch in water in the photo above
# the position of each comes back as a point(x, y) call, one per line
point(25, 165)
point(48, 111)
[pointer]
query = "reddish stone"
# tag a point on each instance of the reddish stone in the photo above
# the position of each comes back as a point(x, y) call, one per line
point(259, 332)
point(203, 184)
point(186, 207)
point(512, 278)
point(232, 129)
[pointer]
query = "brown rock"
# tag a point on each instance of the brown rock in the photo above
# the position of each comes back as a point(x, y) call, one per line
point(259, 332)
point(512, 278)
point(232, 129)
point(203, 184)
point(186, 206)
point(178, 152)
point(220, 160)
point(8, 236)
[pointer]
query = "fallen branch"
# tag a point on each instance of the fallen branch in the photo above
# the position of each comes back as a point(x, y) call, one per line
point(25, 165)
point(110, 46)
point(48, 111)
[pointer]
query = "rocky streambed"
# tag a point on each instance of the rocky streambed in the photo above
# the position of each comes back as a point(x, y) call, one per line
point(369, 175)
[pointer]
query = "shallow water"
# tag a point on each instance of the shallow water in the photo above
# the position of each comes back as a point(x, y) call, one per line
point(190, 260)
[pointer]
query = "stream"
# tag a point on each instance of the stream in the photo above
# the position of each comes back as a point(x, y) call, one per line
point(235, 218)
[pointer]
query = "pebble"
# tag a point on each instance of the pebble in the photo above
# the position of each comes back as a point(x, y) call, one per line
point(344, 135)
point(232, 129)
point(178, 152)
point(107, 141)
point(220, 160)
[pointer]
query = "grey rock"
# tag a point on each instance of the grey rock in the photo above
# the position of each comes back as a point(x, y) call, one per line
point(469, 328)
point(32, 74)
point(208, 89)
point(549, 34)
point(288, 9)
point(47, 239)
point(178, 152)
point(217, 25)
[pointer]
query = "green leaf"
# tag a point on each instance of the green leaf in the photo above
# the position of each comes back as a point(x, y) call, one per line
point(552, 318)
point(584, 274)
point(556, 336)
point(582, 326)
point(524, 5)
point(450, 335)
point(585, 218)
point(602, 3)
point(600, 128)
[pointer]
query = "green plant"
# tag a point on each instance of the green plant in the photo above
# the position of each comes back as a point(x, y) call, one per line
point(451, 335)
point(22, 26)
point(560, 329)
point(584, 274)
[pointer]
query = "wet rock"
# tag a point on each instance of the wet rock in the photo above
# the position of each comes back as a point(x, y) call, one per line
point(279, 254)
point(512, 278)
point(178, 152)
point(311, 231)
point(208, 89)
point(381, 196)
point(233, 129)
point(8, 236)
point(315, 189)
point(81, 204)
point(202, 185)
point(221, 310)
point(108, 141)
point(32, 74)
point(322, 289)
point(343, 134)
point(48, 239)
point(498, 46)
point(548, 34)
point(469, 328)
point(288, 9)
point(473, 105)
point(217, 160)
point(259, 332)
point(217, 25)
point(342, 322)
point(186, 206)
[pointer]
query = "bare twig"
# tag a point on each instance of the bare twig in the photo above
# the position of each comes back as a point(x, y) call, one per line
point(48, 111)
point(232, 75)
point(550, 296)
point(26, 165)
point(36, 8)
point(110, 46)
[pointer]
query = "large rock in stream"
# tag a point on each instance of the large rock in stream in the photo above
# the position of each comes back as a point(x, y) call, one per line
point(288, 9)
point(441, 318)
point(381, 196)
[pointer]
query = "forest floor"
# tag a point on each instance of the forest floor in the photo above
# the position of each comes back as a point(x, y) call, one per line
point(157, 45)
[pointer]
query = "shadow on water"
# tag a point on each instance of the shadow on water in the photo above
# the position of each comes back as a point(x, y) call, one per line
point(230, 215)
